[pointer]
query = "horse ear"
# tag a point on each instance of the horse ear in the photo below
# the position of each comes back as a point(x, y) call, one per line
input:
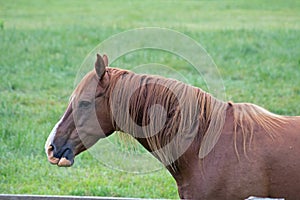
point(100, 65)
point(105, 59)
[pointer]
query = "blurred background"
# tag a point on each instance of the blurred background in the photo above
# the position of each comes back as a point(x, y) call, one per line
point(255, 45)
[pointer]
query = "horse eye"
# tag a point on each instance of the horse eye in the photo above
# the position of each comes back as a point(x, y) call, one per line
point(84, 104)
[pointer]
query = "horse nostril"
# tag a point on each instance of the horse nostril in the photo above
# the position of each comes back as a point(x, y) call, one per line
point(50, 148)
point(50, 153)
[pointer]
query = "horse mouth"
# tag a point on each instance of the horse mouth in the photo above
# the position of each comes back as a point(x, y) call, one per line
point(66, 160)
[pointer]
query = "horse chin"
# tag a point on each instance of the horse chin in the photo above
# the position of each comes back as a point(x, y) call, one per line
point(64, 162)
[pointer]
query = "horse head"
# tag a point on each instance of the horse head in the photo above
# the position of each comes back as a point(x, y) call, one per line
point(86, 120)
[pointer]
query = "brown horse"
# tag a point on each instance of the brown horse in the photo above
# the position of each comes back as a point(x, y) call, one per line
point(213, 149)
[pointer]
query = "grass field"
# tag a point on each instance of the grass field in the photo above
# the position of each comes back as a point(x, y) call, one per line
point(255, 44)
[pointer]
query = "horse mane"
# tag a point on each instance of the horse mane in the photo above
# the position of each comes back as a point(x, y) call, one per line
point(167, 113)
point(156, 94)
point(249, 116)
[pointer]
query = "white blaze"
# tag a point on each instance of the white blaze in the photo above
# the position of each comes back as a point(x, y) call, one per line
point(52, 134)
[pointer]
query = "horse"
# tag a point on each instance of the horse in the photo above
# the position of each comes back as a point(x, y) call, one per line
point(212, 148)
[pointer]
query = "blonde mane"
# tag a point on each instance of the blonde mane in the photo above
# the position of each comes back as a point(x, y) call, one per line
point(169, 114)
point(249, 116)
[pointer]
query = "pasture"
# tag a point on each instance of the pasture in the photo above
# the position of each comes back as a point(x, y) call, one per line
point(255, 45)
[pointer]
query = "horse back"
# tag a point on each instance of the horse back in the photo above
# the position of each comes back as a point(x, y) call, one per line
point(262, 166)
point(282, 160)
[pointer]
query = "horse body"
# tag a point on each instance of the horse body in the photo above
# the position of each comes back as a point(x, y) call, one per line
point(213, 149)
point(270, 167)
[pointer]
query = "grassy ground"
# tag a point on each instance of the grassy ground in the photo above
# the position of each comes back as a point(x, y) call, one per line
point(255, 44)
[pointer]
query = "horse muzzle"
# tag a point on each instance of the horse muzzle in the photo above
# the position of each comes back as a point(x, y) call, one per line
point(66, 159)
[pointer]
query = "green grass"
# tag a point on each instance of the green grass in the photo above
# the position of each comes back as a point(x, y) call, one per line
point(255, 45)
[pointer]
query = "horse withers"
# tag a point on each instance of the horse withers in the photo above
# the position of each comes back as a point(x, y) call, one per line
point(213, 149)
